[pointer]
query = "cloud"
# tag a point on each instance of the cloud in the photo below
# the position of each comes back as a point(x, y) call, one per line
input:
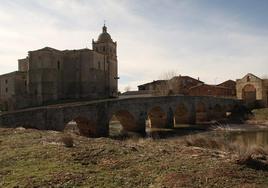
point(205, 40)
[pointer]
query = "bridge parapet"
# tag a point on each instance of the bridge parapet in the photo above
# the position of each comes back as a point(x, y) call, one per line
point(93, 118)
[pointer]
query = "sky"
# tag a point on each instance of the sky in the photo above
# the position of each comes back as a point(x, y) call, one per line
point(214, 40)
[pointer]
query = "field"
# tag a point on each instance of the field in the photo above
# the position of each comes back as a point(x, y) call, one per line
point(32, 158)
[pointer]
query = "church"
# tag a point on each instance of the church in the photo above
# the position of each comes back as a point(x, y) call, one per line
point(48, 75)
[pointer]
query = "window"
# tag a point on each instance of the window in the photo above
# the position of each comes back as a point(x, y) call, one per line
point(96, 48)
point(6, 89)
point(99, 65)
point(6, 81)
point(58, 63)
point(248, 78)
point(103, 49)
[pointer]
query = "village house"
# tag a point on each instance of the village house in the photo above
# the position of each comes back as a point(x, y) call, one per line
point(176, 85)
point(211, 90)
point(252, 90)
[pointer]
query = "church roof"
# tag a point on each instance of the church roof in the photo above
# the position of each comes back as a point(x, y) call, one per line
point(104, 36)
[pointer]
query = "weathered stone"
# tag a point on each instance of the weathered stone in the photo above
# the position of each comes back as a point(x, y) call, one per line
point(93, 117)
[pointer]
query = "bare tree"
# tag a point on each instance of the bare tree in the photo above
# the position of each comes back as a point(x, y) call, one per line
point(167, 84)
point(127, 88)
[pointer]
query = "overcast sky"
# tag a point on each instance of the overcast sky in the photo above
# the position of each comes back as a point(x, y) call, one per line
point(214, 40)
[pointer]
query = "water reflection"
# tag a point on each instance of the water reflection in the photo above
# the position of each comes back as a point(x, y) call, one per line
point(250, 138)
point(246, 138)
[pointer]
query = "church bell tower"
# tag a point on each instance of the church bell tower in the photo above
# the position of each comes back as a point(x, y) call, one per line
point(106, 46)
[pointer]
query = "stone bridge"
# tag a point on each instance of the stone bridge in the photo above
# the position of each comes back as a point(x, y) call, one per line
point(93, 117)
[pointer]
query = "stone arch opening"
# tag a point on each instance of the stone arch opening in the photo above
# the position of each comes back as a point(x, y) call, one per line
point(82, 126)
point(249, 94)
point(181, 114)
point(218, 111)
point(124, 120)
point(115, 126)
point(157, 118)
point(201, 112)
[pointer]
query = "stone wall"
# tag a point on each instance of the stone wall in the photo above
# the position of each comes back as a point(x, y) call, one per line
point(23, 64)
point(13, 89)
point(211, 90)
point(52, 75)
point(93, 118)
point(257, 83)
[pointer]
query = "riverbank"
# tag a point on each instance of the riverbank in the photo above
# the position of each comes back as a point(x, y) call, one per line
point(259, 117)
point(248, 126)
point(32, 158)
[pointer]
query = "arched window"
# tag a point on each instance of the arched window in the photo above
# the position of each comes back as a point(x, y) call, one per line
point(248, 79)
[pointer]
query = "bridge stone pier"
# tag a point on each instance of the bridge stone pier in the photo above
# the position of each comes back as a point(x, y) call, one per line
point(93, 117)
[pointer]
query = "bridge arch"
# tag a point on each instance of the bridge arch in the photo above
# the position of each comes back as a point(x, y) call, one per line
point(181, 114)
point(201, 112)
point(127, 120)
point(86, 127)
point(157, 117)
point(218, 112)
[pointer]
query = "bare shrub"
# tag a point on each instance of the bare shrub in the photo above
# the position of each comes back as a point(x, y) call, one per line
point(67, 140)
point(253, 157)
point(256, 158)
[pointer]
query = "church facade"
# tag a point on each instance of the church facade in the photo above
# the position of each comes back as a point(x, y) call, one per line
point(48, 75)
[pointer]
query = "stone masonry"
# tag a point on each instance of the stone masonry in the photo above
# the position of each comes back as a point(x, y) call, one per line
point(49, 75)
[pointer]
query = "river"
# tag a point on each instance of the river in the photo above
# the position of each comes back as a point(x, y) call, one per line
point(244, 134)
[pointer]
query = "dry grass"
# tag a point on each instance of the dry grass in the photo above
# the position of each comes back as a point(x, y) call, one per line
point(67, 140)
point(253, 157)
point(27, 159)
point(209, 142)
point(260, 114)
point(256, 158)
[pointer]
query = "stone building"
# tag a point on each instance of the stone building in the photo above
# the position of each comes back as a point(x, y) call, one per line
point(231, 85)
point(151, 86)
point(182, 84)
point(175, 85)
point(49, 75)
point(186, 85)
point(211, 90)
point(252, 90)
point(13, 90)
point(225, 89)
